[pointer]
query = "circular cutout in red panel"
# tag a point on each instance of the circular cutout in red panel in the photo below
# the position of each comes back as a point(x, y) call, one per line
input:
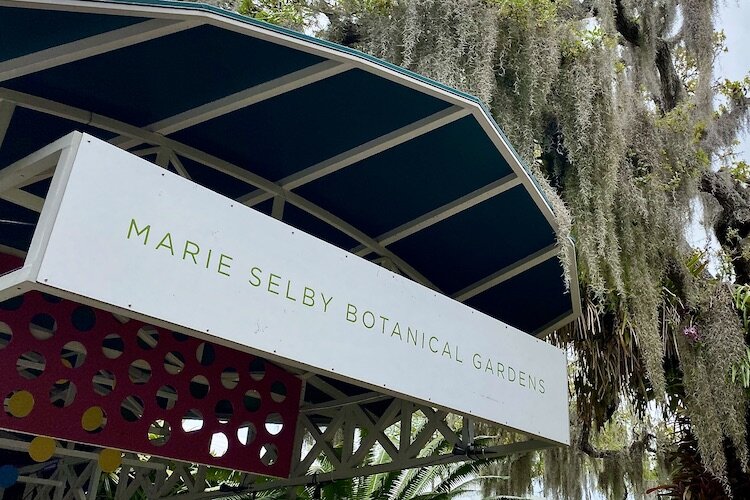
point(257, 369)
point(246, 433)
point(73, 354)
point(230, 378)
point(42, 326)
point(103, 382)
point(6, 335)
point(63, 393)
point(159, 432)
point(131, 408)
point(30, 365)
point(224, 411)
point(174, 363)
point(192, 421)
point(205, 354)
point(83, 318)
point(251, 400)
point(199, 387)
point(113, 346)
point(148, 337)
point(166, 397)
point(269, 454)
point(139, 371)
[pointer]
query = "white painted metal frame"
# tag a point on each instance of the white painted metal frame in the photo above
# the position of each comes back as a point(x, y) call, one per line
point(341, 431)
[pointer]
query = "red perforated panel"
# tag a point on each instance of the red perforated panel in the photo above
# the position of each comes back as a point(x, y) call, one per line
point(152, 387)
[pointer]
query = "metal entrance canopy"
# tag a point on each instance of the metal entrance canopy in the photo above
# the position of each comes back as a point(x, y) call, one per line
point(348, 148)
point(386, 164)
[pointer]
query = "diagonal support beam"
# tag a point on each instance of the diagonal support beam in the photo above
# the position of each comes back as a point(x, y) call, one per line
point(6, 113)
point(178, 166)
point(441, 213)
point(88, 47)
point(362, 152)
point(507, 272)
point(24, 199)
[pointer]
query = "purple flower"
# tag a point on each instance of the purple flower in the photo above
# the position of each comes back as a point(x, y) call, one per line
point(691, 332)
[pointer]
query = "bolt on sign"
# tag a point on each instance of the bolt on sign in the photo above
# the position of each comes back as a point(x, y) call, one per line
point(133, 238)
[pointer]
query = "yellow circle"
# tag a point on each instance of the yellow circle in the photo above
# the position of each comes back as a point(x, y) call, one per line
point(110, 460)
point(92, 419)
point(20, 404)
point(42, 448)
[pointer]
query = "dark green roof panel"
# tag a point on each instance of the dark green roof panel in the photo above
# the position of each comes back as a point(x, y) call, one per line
point(528, 301)
point(477, 242)
point(25, 31)
point(295, 130)
point(159, 78)
point(30, 130)
point(407, 181)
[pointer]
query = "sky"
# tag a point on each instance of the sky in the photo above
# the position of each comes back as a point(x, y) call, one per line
point(734, 19)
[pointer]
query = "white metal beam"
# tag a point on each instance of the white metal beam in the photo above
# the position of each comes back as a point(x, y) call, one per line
point(178, 166)
point(88, 47)
point(441, 213)
point(61, 451)
point(29, 167)
point(507, 272)
point(6, 113)
point(277, 211)
point(162, 157)
point(24, 199)
point(363, 151)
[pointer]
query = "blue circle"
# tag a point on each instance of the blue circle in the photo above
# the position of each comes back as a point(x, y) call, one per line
point(8, 476)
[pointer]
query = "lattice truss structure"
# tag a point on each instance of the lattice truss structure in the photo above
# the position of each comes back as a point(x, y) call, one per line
point(342, 433)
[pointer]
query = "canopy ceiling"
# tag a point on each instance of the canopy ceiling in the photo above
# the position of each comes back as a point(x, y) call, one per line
point(372, 158)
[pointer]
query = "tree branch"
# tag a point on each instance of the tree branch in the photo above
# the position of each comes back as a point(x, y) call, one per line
point(732, 227)
point(672, 89)
point(629, 29)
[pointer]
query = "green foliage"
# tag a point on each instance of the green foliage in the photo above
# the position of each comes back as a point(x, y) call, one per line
point(289, 13)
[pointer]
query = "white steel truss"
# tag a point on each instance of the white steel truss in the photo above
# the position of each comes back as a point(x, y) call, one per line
point(335, 440)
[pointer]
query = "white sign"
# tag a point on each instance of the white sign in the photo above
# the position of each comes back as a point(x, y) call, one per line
point(135, 236)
